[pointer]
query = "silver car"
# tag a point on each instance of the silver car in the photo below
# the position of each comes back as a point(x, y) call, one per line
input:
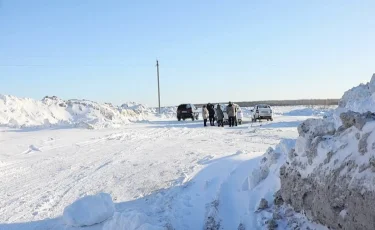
point(260, 112)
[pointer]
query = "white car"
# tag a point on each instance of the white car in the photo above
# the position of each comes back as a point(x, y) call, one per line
point(260, 112)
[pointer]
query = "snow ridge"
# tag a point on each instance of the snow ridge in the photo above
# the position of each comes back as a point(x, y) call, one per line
point(330, 175)
point(54, 112)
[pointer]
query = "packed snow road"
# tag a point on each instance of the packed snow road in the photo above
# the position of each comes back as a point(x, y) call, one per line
point(163, 173)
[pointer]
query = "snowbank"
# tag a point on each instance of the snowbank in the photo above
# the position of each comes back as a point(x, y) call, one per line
point(315, 111)
point(271, 161)
point(359, 99)
point(264, 186)
point(54, 112)
point(89, 210)
point(130, 220)
point(331, 173)
point(51, 111)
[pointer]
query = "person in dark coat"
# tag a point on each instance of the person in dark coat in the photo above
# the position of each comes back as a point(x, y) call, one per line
point(220, 116)
point(231, 111)
point(211, 112)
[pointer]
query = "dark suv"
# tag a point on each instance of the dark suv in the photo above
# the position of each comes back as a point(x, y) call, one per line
point(187, 111)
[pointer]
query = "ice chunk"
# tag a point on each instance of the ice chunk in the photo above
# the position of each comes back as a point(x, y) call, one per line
point(89, 210)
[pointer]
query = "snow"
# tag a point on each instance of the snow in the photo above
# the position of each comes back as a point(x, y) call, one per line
point(318, 111)
point(343, 214)
point(344, 146)
point(57, 113)
point(161, 174)
point(336, 155)
point(52, 111)
point(89, 210)
point(358, 99)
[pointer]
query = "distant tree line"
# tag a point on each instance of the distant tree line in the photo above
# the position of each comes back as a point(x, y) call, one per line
point(307, 102)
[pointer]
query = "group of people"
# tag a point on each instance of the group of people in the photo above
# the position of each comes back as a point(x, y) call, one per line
point(209, 112)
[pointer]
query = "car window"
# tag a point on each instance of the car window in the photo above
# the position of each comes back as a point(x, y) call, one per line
point(188, 106)
point(183, 106)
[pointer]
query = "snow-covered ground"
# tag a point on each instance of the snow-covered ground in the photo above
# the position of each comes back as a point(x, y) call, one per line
point(161, 173)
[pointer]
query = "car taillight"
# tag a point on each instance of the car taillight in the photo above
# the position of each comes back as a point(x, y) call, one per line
point(190, 110)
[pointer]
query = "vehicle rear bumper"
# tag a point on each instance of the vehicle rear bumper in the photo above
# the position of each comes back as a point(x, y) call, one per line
point(187, 115)
point(265, 117)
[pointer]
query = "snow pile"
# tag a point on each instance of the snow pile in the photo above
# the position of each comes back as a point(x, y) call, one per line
point(314, 111)
point(130, 220)
point(52, 111)
point(271, 161)
point(150, 112)
point(136, 107)
point(359, 99)
point(166, 112)
point(263, 185)
point(330, 176)
point(89, 210)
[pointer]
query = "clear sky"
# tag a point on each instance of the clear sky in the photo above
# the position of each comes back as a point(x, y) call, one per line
point(209, 51)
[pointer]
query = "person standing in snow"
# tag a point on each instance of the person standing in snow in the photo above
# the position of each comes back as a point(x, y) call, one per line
point(211, 112)
point(205, 115)
point(231, 111)
point(235, 114)
point(220, 116)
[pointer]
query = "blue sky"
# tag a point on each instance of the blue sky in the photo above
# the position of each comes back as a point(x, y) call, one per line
point(209, 50)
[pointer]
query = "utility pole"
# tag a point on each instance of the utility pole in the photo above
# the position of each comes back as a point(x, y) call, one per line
point(157, 69)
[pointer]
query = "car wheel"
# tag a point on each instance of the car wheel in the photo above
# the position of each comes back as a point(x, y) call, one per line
point(192, 118)
point(271, 119)
point(183, 118)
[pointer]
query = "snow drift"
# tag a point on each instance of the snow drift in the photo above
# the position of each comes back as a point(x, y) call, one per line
point(54, 112)
point(89, 210)
point(330, 174)
point(359, 99)
point(314, 111)
point(263, 186)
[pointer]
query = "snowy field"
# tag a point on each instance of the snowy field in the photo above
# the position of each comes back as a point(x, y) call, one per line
point(160, 173)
